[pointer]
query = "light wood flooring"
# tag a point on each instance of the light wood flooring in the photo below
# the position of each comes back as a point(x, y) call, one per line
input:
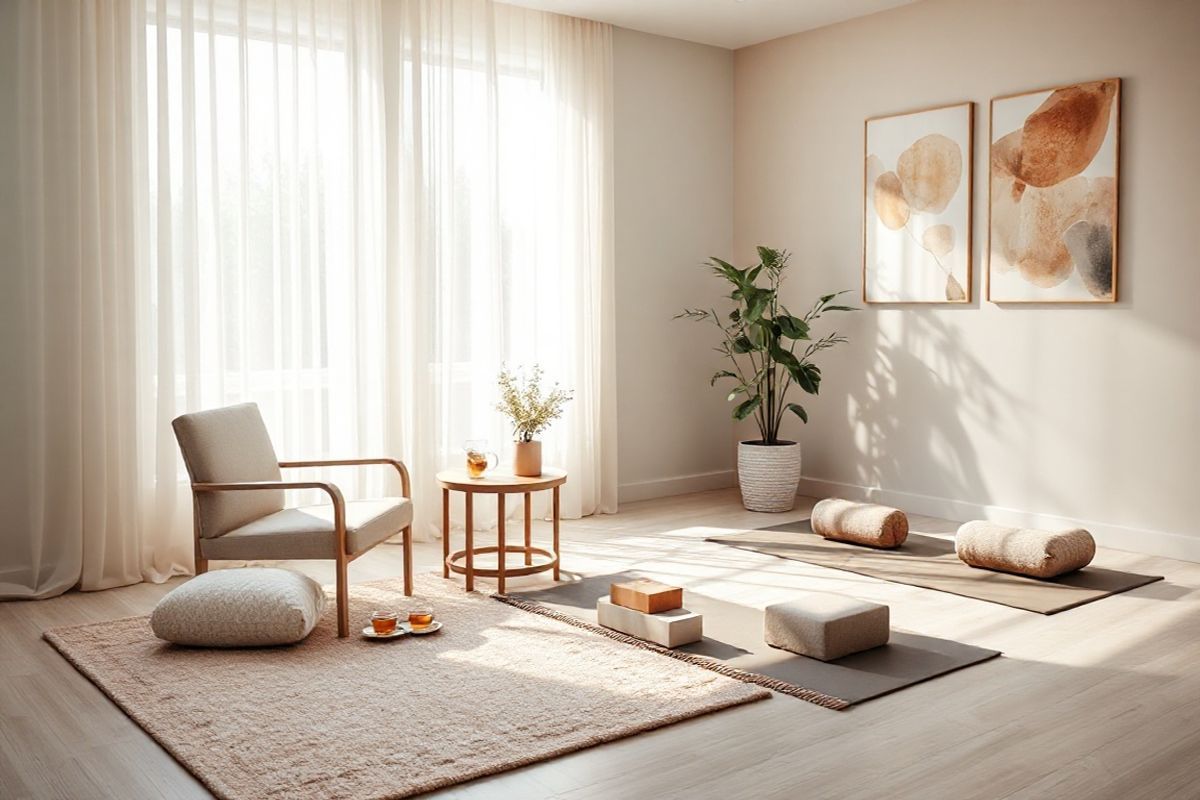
point(1102, 701)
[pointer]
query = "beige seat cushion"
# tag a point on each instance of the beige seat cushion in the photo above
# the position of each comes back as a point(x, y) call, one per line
point(826, 626)
point(1024, 551)
point(248, 607)
point(307, 532)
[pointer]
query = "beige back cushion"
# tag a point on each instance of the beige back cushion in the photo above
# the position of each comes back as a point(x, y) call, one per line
point(229, 445)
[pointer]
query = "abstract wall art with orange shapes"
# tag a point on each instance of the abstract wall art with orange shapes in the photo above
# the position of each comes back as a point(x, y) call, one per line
point(1052, 211)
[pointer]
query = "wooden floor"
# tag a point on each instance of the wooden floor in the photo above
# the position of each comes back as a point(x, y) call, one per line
point(1102, 701)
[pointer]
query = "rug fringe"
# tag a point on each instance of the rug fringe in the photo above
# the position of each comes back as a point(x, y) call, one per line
point(783, 687)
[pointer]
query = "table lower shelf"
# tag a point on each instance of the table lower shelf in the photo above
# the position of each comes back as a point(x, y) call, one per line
point(455, 562)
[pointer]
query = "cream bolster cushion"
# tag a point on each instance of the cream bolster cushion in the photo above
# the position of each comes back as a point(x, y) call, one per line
point(246, 607)
point(860, 523)
point(1024, 551)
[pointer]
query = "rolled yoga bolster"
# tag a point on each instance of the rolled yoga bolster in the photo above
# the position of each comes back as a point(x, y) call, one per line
point(1024, 551)
point(860, 523)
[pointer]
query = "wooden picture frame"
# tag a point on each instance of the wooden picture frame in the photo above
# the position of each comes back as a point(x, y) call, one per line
point(910, 182)
point(1053, 216)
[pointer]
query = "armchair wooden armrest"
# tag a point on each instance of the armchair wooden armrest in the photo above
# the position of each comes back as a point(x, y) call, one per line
point(405, 486)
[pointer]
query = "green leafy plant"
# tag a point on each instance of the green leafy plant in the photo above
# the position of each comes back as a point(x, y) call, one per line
point(760, 337)
point(527, 406)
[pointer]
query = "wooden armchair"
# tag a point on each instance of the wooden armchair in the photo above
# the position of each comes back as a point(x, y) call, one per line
point(237, 500)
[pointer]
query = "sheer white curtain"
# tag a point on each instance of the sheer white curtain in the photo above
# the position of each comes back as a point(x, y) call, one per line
point(78, 514)
point(350, 213)
point(262, 164)
point(500, 240)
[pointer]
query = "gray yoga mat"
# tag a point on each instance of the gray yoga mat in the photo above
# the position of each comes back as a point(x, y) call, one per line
point(733, 637)
point(930, 562)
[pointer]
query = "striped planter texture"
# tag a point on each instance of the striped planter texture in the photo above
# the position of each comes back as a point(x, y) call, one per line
point(768, 475)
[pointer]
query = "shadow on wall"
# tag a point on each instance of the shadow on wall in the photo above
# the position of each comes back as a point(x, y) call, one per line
point(918, 396)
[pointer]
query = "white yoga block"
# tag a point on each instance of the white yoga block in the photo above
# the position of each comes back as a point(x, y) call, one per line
point(826, 626)
point(672, 628)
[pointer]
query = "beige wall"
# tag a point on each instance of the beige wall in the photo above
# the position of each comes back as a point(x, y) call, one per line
point(673, 169)
point(1038, 414)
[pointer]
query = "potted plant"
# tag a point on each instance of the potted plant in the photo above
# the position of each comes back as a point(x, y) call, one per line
point(760, 338)
point(530, 410)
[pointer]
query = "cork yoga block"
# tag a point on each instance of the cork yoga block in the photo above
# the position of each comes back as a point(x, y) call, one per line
point(647, 596)
point(1024, 551)
point(860, 523)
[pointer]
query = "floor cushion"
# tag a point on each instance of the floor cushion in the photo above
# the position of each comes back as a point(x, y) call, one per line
point(1024, 551)
point(860, 523)
point(246, 607)
point(826, 626)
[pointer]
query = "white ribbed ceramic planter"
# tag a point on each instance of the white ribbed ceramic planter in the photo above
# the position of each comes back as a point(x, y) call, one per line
point(769, 475)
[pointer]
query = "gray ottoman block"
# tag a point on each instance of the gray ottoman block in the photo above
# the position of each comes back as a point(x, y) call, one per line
point(826, 626)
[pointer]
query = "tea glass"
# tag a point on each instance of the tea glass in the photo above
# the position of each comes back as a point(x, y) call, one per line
point(480, 460)
point(420, 617)
point(384, 622)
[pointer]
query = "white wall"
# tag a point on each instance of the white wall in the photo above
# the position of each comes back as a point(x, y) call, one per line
point(1044, 414)
point(673, 171)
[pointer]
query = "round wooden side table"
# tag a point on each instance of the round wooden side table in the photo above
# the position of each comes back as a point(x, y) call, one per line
point(463, 561)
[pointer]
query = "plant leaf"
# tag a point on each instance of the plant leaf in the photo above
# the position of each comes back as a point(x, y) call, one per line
point(743, 345)
point(747, 408)
point(788, 360)
point(808, 380)
point(722, 374)
point(792, 327)
point(760, 335)
point(798, 410)
point(842, 308)
point(726, 269)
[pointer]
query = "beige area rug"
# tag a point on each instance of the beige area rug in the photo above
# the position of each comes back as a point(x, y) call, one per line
point(931, 563)
point(496, 688)
point(733, 645)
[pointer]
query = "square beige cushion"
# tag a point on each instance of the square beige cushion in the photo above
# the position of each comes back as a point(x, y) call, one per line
point(826, 626)
point(248, 607)
point(229, 445)
point(307, 532)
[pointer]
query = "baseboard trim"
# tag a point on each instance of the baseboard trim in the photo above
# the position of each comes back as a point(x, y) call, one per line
point(1118, 537)
point(681, 484)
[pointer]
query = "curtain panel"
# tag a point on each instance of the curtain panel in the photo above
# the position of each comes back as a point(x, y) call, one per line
point(351, 213)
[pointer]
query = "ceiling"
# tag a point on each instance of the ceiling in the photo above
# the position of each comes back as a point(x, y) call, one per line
point(725, 23)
